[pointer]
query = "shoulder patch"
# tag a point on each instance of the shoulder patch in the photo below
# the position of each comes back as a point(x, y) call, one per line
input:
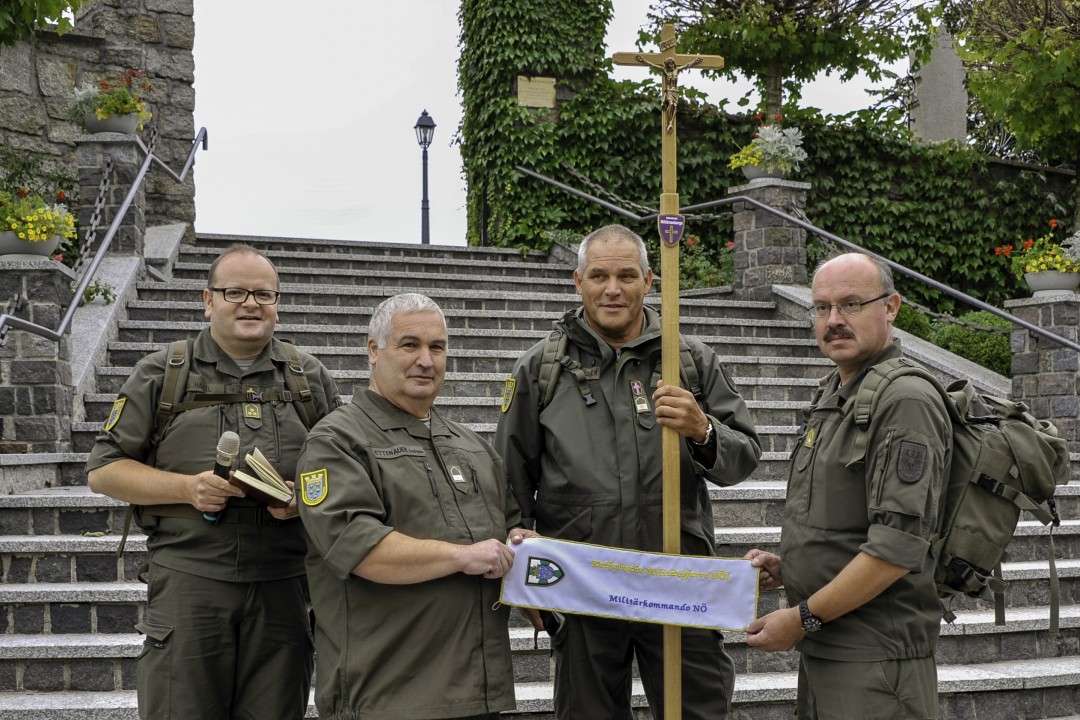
point(313, 486)
point(911, 461)
point(114, 413)
point(508, 393)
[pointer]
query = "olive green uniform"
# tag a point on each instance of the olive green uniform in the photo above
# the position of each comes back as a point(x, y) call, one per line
point(434, 649)
point(593, 473)
point(226, 621)
point(885, 506)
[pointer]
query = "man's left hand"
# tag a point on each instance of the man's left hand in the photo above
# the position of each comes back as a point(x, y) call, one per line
point(289, 511)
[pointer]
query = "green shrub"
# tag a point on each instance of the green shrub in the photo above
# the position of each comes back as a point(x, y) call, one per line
point(911, 320)
point(991, 350)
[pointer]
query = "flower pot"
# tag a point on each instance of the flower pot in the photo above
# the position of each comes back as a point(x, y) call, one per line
point(753, 172)
point(125, 124)
point(12, 247)
point(1051, 282)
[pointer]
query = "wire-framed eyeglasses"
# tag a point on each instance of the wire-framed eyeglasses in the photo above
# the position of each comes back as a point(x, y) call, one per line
point(820, 311)
point(240, 295)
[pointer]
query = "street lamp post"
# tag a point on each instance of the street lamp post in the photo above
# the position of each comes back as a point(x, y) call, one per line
point(425, 131)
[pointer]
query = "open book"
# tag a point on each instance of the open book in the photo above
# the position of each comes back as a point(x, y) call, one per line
point(269, 487)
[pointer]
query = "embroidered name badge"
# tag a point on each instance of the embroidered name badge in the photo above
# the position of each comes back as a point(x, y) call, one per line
point(313, 486)
point(911, 461)
point(543, 572)
point(114, 413)
point(397, 451)
point(508, 393)
point(641, 403)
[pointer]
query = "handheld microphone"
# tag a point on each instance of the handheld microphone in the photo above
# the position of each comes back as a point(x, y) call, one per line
point(228, 448)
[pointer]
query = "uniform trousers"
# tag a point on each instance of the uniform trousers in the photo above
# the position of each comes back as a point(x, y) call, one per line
point(882, 690)
point(219, 650)
point(593, 667)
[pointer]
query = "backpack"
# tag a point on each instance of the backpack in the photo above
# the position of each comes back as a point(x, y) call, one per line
point(1004, 460)
point(554, 359)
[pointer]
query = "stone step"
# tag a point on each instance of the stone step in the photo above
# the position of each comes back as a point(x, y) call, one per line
point(694, 319)
point(735, 338)
point(213, 243)
point(83, 607)
point(1048, 689)
point(194, 262)
point(490, 384)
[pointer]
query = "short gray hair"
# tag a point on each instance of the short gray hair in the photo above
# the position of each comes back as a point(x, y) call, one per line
point(884, 271)
point(612, 232)
point(383, 317)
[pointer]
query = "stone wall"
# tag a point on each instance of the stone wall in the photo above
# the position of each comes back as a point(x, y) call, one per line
point(37, 81)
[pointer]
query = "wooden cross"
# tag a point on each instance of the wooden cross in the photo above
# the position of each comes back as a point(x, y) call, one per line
point(670, 225)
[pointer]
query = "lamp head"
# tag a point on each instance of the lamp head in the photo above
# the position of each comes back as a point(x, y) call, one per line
point(425, 130)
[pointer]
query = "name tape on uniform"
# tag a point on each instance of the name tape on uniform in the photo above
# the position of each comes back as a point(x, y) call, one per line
point(571, 577)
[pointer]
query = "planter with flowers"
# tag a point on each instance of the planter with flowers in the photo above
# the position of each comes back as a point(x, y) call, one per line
point(31, 226)
point(774, 152)
point(112, 106)
point(1047, 267)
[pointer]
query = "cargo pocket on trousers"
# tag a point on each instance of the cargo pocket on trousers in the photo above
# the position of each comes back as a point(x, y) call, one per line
point(157, 638)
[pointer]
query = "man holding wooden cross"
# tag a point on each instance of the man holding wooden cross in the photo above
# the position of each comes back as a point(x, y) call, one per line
point(584, 461)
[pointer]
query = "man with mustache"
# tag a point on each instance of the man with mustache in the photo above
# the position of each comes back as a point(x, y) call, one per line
point(226, 624)
point(587, 466)
point(407, 515)
point(858, 566)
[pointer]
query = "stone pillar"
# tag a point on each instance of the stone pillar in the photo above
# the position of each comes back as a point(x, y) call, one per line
point(768, 250)
point(91, 154)
point(35, 372)
point(1045, 373)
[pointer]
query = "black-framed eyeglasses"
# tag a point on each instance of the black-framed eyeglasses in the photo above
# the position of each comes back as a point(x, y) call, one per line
point(240, 295)
point(820, 311)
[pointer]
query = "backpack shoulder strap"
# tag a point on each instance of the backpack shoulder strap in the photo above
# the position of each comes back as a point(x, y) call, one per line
point(555, 345)
point(873, 387)
point(173, 386)
point(688, 370)
point(297, 383)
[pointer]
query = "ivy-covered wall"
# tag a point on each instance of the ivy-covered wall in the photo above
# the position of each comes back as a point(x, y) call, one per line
point(939, 209)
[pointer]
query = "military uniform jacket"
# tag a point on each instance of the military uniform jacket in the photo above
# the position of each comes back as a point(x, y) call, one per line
point(595, 473)
point(232, 552)
point(434, 649)
point(886, 506)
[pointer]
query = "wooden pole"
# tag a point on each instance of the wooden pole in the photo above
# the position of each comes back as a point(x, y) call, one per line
point(670, 227)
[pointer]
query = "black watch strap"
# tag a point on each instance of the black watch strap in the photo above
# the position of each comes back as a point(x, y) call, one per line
point(810, 621)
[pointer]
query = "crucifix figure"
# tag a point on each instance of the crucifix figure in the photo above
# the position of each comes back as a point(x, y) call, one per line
point(670, 226)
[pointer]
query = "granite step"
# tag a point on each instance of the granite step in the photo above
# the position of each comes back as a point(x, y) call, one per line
point(1046, 689)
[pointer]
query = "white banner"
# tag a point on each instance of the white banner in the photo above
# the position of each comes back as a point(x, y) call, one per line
point(707, 592)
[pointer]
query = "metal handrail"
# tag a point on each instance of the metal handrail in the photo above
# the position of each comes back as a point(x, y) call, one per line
point(1035, 329)
point(16, 322)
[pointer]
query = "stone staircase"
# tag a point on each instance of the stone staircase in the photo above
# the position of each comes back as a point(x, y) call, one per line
point(68, 605)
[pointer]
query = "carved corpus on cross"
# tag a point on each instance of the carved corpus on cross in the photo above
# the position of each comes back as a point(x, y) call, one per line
point(670, 225)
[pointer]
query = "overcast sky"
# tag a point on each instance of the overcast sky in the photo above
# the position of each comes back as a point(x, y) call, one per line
point(310, 115)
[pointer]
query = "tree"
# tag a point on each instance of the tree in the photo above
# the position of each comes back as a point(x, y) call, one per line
point(785, 43)
point(22, 19)
point(1023, 59)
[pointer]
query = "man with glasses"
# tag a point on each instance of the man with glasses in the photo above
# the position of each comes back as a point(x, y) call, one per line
point(858, 566)
point(226, 624)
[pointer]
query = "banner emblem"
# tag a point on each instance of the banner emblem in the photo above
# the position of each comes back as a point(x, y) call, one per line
point(313, 486)
point(543, 572)
point(671, 228)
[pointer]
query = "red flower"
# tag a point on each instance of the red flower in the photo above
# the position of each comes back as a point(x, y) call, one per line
point(1053, 223)
point(757, 116)
point(60, 195)
point(731, 243)
point(1005, 250)
point(58, 258)
point(1028, 243)
point(691, 241)
point(778, 118)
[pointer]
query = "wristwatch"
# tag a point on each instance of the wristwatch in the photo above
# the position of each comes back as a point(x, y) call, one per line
point(708, 437)
point(810, 621)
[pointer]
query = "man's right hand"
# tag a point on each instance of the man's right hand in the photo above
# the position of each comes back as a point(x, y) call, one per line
point(490, 558)
point(210, 493)
point(769, 563)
